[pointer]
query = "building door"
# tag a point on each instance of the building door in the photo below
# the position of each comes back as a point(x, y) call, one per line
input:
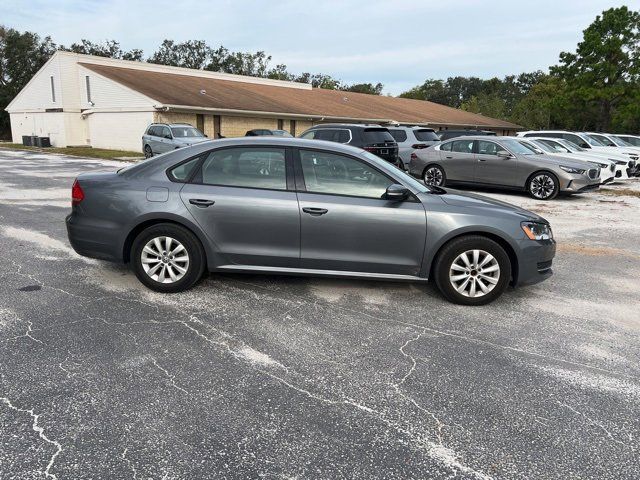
point(200, 122)
point(216, 126)
point(292, 127)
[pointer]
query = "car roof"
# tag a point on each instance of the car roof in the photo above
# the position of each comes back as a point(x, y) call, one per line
point(172, 124)
point(348, 125)
point(481, 137)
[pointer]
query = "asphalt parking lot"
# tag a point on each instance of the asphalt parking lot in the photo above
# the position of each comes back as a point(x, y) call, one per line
point(282, 377)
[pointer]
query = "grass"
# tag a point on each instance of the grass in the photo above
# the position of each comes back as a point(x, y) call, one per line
point(622, 192)
point(78, 151)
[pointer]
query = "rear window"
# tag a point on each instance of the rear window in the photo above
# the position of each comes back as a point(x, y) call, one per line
point(182, 172)
point(377, 135)
point(398, 135)
point(426, 135)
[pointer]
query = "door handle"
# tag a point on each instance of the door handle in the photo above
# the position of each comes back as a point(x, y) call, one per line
point(448, 157)
point(482, 159)
point(201, 203)
point(315, 211)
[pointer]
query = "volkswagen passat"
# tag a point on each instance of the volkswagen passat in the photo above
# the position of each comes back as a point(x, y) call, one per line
point(294, 206)
point(502, 162)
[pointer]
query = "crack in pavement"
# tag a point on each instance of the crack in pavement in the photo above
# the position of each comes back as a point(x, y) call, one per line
point(40, 430)
point(597, 424)
point(169, 376)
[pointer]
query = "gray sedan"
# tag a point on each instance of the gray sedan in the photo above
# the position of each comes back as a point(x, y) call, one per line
point(504, 162)
point(302, 207)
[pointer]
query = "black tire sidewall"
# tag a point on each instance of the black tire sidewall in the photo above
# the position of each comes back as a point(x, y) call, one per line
point(433, 165)
point(556, 182)
point(147, 147)
point(448, 254)
point(191, 243)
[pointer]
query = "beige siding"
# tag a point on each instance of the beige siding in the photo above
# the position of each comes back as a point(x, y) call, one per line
point(238, 126)
point(175, 117)
point(301, 126)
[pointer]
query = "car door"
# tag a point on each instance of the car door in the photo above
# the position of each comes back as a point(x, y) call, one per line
point(458, 160)
point(492, 169)
point(153, 138)
point(347, 225)
point(240, 198)
point(165, 140)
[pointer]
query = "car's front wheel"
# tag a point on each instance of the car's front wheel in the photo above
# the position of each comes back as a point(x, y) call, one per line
point(434, 175)
point(543, 186)
point(167, 258)
point(472, 270)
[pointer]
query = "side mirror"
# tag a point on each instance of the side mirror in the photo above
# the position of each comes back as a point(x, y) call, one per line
point(168, 137)
point(504, 154)
point(396, 192)
point(206, 136)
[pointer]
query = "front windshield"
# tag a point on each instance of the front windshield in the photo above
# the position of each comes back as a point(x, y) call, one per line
point(184, 132)
point(533, 146)
point(595, 141)
point(619, 142)
point(571, 146)
point(543, 146)
point(517, 146)
point(406, 179)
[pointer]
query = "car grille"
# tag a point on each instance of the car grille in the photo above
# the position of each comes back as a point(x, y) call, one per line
point(593, 173)
point(632, 164)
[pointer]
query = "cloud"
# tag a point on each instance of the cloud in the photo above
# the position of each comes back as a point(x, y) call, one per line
point(398, 43)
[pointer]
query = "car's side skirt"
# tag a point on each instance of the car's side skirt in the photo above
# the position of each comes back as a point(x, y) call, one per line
point(318, 273)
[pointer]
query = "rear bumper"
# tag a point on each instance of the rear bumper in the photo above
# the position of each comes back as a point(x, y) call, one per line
point(94, 241)
point(535, 261)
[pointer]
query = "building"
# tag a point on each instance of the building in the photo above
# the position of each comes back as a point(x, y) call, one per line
point(105, 103)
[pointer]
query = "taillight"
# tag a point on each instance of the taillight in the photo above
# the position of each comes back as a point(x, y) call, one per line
point(77, 195)
point(370, 149)
point(419, 146)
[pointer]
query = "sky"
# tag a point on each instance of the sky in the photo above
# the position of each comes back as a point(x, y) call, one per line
point(399, 43)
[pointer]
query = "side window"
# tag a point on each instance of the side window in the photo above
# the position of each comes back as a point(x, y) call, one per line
point(182, 172)
point(398, 135)
point(462, 146)
point(309, 135)
point(250, 167)
point(166, 133)
point(488, 148)
point(446, 146)
point(339, 175)
point(344, 136)
point(327, 134)
point(152, 131)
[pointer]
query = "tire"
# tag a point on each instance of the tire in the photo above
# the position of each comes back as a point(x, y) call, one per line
point(543, 186)
point(450, 271)
point(148, 153)
point(434, 175)
point(167, 273)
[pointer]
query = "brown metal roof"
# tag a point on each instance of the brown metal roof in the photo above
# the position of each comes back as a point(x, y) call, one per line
point(184, 90)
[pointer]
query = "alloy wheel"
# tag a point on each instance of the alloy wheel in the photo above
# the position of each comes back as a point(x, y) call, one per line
point(474, 273)
point(433, 176)
point(542, 186)
point(165, 259)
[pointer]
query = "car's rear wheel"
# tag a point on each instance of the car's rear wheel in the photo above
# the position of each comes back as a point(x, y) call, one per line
point(472, 270)
point(434, 175)
point(167, 258)
point(543, 186)
point(148, 153)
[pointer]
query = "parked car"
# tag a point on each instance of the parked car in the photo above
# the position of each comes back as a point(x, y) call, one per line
point(410, 139)
point(164, 137)
point(502, 162)
point(261, 132)
point(372, 138)
point(588, 142)
point(625, 167)
point(607, 167)
point(294, 206)
point(609, 140)
point(449, 134)
point(630, 139)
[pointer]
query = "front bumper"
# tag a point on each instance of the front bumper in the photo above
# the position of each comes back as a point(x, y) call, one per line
point(535, 261)
point(579, 184)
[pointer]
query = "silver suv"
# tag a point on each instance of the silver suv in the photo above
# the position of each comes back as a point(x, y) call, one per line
point(164, 137)
point(410, 139)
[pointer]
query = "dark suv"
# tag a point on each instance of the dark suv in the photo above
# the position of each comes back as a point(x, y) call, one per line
point(447, 134)
point(372, 138)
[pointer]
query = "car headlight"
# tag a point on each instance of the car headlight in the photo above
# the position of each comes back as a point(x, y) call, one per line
point(537, 231)
point(579, 171)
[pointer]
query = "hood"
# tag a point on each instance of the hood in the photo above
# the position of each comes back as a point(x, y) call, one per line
point(473, 200)
point(189, 140)
point(558, 160)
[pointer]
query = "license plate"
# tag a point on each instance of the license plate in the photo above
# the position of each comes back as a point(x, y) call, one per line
point(384, 151)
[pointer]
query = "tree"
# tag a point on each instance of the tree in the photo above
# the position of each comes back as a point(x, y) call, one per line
point(108, 48)
point(21, 56)
point(368, 88)
point(189, 54)
point(605, 69)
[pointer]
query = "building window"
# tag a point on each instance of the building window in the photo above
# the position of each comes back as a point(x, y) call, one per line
point(86, 78)
point(53, 90)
